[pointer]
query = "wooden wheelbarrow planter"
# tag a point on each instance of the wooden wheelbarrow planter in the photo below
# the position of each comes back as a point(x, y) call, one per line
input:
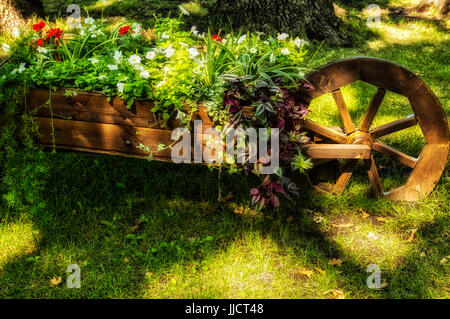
point(88, 122)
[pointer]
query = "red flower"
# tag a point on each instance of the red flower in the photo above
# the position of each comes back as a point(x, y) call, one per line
point(56, 33)
point(216, 37)
point(125, 29)
point(39, 26)
point(40, 42)
point(58, 59)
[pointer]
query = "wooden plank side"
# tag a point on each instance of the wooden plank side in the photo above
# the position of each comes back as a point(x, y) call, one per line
point(91, 107)
point(103, 137)
point(94, 107)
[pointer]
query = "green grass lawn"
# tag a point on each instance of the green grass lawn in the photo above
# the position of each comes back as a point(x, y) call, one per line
point(141, 229)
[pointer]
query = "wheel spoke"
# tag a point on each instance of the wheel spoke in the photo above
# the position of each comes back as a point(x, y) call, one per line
point(344, 178)
point(394, 126)
point(374, 177)
point(372, 110)
point(343, 111)
point(325, 131)
point(395, 154)
point(338, 151)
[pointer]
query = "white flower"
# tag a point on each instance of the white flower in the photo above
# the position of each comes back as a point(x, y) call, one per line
point(102, 77)
point(165, 36)
point(134, 59)
point(82, 32)
point(266, 42)
point(138, 67)
point(21, 67)
point(194, 30)
point(298, 42)
point(242, 39)
point(166, 69)
point(137, 30)
point(161, 83)
point(117, 56)
point(193, 52)
point(272, 58)
point(93, 60)
point(169, 52)
point(180, 115)
point(150, 55)
point(120, 87)
point(183, 43)
point(89, 20)
point(285, 51)
point(42, 50)
point(112, 67)
point(6, 47)
point(283, 36)
point(183, 10)
point(144, 74)
point(253, 50)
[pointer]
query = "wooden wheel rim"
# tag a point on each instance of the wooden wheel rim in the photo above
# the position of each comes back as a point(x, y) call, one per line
point(428, 113)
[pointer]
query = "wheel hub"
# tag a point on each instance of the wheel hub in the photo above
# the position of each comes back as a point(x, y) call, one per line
point(359, 137)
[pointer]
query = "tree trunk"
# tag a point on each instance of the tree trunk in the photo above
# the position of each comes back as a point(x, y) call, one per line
point(12, 14)
point(314, 18)
point(443, 6)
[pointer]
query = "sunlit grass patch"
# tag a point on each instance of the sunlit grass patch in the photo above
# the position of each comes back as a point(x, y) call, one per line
point(367, 244)
point(408, 33)
point(253, 266)
point(16, 239)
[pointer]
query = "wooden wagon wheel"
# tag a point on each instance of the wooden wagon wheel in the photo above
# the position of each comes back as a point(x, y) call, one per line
point(428, 114)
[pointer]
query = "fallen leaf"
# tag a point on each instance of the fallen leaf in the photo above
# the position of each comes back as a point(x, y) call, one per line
point(319, 270)
point(132, 229)
point(422, 254)
point(336, 293)
point(444, 260)
point(305, 272)
point(384, 284)
point(55, 281)
point(29, 250)
point(289, 219)
point(335, 261)
point(364, 214)
point(126, 259)
point(382, 219)
point(411, 236)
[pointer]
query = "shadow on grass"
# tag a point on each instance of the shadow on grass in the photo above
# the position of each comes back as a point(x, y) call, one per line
point(122, 219)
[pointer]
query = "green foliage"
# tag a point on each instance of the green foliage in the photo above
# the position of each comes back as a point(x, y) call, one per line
point(300, 163)
point(117, 217)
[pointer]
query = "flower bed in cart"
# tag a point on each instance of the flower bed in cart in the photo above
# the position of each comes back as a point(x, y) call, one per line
point(123, 89)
